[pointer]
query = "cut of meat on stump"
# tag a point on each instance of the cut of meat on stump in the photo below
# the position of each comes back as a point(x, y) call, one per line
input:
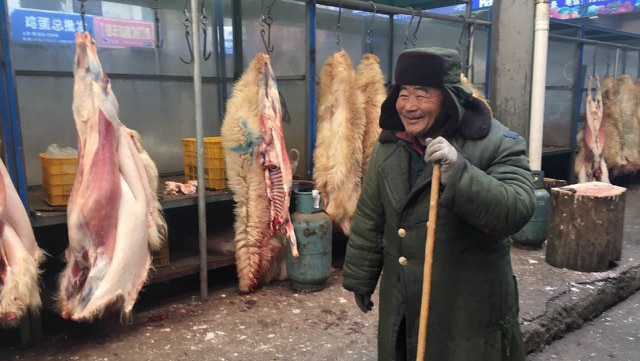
point(585, 231)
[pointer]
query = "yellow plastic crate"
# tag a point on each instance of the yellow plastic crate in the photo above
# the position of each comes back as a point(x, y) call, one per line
point(58, 175)
point(214, 166)
point(160, 258)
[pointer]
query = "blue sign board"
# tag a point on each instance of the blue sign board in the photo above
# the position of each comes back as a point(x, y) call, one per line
point(481, 4)
point(47, 26)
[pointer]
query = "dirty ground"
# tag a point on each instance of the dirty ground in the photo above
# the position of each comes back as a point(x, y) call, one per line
point(170, 321)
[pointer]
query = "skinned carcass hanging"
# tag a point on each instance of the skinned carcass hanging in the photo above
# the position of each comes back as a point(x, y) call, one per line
point(20, 256)
point(113, 214)
point(590, 162)
point(259, 174)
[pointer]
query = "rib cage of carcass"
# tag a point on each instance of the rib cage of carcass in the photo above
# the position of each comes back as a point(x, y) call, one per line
point(113, 214)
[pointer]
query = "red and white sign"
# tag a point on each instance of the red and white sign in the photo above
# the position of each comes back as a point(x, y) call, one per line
point(118, 33)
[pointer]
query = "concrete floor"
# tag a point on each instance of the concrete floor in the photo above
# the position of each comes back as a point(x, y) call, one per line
point(276, 323)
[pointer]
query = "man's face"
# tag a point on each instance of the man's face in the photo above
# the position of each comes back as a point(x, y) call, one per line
point(418, 107)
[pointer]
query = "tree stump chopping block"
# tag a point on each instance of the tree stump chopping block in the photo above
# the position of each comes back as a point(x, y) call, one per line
point(585, 231)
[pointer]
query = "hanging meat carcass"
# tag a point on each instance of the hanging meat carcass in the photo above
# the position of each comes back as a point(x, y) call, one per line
point(113, 213)
point(20, 256)
point(370, 85)
point(259, 174)
point(338, 153)
point(592, 165)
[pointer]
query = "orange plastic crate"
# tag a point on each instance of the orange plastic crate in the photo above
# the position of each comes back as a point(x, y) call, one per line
point(58, 175)
point(214, 166)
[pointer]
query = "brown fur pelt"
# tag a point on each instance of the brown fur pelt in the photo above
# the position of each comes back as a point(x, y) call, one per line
point(370, 84)
point(245, 177)
point(476, 92)
point(338, 153)
point(629, 117)
point(612, 119)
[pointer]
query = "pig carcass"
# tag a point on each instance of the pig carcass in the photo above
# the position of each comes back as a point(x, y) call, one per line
point(593, 166)
point(113, 213)
point(475, 92)
point(370, 85)
point(338, 153)
point(20, 256)
point(259, 174)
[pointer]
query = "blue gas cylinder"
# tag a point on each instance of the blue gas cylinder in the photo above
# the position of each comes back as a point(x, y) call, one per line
point(534, 233)
point(313, 229)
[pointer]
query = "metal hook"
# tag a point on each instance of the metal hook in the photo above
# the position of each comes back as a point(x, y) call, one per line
point(414, 38)
point(155, 5)
point(624, 60)
point(373, 16)
point(187, 35)
point(84, 24)
point(266, 34)
point(595, 48)
point(406, 34)
point(336, 29)
point(203, 21)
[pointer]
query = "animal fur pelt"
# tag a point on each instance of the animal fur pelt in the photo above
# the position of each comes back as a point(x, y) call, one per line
point(612, 119)
point(338, 153)
point(370, 85)
point(241, 136)
point(629, 115)
point(476, 92)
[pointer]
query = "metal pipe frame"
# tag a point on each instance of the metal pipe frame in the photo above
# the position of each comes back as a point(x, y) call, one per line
point(395, 10)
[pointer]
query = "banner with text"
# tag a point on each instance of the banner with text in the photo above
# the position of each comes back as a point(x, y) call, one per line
point(47, 26)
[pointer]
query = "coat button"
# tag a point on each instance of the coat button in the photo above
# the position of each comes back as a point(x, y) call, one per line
point(402, 232)
point(402, 260)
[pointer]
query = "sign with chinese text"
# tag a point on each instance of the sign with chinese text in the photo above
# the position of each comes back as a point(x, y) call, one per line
point(46, 26)
point(118, 33)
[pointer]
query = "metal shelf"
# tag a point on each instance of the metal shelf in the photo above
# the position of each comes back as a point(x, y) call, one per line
point(187, 263)
point(41, 214)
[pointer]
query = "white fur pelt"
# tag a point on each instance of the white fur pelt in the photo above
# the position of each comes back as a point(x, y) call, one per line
point(245, 177)
point(370, 84)
point(338, 153)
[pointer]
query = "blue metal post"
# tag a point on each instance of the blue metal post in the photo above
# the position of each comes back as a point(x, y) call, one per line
point(9, 111)
point(311, 96)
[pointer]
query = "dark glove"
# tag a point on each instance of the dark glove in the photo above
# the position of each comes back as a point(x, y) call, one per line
point(440, 150)
point(364, 302)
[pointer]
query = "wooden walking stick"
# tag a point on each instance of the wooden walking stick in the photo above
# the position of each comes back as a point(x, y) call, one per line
point(428, 261)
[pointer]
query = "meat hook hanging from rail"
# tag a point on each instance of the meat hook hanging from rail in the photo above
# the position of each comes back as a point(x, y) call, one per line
point(204, 20)
point(593, 71)
point(608, 60)
point(266, 20)
point(187, 33)
point(336, 29)
point(463, 44)
point(406, 34)
point(369, 38)
point(82, 13)
point(414, 38)
point(624, 60)
point(155, 5)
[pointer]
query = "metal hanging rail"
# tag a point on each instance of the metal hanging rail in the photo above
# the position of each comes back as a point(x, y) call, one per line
point(395, 10)
point(593, 42)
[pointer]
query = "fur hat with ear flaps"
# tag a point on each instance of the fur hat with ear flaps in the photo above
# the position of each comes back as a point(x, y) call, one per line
point(438, 68)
